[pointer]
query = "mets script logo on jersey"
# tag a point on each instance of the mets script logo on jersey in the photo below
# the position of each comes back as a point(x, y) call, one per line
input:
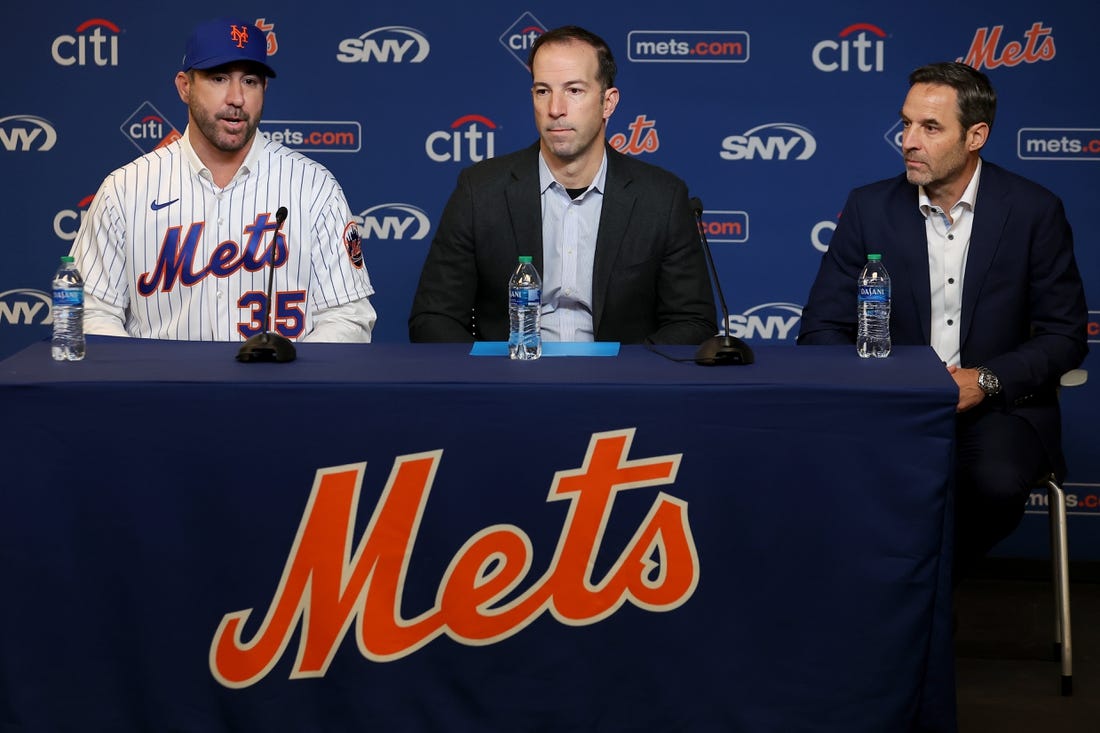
point(331, 583)
point(176, 260)
point(389, 44)
point(353, 244)
point(95, 43)
point(521, 35)
point(1038, 46)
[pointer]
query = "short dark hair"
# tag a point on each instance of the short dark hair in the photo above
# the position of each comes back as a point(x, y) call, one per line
point(573, 33)
point(976, 99)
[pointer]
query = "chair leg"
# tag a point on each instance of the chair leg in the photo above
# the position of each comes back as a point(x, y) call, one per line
point(1059, 546)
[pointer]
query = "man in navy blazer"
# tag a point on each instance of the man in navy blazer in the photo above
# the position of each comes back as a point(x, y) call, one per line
point(613, 238)
point(982, 268)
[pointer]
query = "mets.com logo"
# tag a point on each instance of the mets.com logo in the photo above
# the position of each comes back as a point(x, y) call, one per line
point(25, 307)
point(1058, 143)
point(314, 136)
point(1081, 500)
point(708, 47)
point(768, 322)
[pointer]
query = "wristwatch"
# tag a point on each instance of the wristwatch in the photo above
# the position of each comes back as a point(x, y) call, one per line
point(988, 382)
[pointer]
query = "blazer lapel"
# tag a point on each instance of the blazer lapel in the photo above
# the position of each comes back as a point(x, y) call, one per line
point(910, 272)
point(524, 203)
point(990, 213)
point(618, 202)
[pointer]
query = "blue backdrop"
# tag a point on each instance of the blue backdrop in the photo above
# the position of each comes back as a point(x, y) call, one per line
point(770, 113)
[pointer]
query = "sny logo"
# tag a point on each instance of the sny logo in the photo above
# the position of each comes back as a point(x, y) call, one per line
point(331, 583)
point(396, 43)
point(394, 221)
point(27, 133)
point(756, 143)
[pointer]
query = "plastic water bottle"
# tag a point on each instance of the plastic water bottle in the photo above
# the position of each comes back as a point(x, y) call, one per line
point(68, 312)
point(873, 333)
point(524, 304)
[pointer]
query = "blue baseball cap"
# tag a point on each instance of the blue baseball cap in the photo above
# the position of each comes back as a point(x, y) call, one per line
point(223, 41)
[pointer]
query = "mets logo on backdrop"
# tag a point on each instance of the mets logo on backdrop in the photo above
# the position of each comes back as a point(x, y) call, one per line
point(521, 35)
point(332, 584)
point(1038, 46)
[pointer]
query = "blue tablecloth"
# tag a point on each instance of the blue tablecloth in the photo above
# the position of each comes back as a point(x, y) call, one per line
point(408, 538)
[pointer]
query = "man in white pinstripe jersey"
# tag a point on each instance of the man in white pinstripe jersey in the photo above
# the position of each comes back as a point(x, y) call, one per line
point(176, 243)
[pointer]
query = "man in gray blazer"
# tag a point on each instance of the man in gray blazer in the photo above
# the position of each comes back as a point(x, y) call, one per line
point(613, 238)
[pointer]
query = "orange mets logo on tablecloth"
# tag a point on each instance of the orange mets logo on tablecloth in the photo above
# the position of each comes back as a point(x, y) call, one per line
point(329, 581)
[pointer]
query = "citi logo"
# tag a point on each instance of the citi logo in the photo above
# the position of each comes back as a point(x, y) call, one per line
point(725, 226)
point(893, 137)
point(768, 321)
point(67, 221)
point(95, 43)
point(521, 35)
point(394, 221)
point(394, 44)
point(26, 133)
point(147, 128)
point(469, 139)
point(866, 53)
point(774, 141)
point(25, 307)
point(642, 138)
point(822, 234)
point(1038, 46)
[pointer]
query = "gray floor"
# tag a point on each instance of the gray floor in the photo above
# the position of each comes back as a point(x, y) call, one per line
point(1007, 680)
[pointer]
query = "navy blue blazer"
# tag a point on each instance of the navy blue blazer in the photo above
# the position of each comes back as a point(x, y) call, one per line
point(1023, 303)
point(649, 282)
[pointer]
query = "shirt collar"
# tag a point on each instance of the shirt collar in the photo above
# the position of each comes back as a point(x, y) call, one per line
point(251, 161)
point(969, 196)
point(546, 178)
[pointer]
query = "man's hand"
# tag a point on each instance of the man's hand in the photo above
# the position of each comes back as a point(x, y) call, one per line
point(970, 394)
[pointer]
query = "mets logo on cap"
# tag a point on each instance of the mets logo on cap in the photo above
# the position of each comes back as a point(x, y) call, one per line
point(226, 41)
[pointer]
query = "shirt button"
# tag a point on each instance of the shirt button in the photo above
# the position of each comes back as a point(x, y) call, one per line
point(950, 281)
point(951, 236)
point(950, 322)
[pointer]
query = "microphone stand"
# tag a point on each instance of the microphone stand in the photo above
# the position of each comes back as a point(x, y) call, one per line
point(267, 346)
point(721, 350)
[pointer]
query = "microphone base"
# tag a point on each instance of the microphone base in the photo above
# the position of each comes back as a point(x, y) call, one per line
point(267, 346)
point(724, 351)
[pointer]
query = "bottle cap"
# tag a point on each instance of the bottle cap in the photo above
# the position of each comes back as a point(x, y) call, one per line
point(874, 257)
point(67, 259)
point(525, 258)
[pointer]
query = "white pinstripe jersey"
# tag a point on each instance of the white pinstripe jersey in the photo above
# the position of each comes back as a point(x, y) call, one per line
point(187, 260)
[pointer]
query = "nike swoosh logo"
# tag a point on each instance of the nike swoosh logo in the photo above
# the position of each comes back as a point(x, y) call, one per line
point(157, 207)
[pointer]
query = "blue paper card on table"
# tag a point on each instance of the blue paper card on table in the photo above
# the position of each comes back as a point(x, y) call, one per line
point(551, 348)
